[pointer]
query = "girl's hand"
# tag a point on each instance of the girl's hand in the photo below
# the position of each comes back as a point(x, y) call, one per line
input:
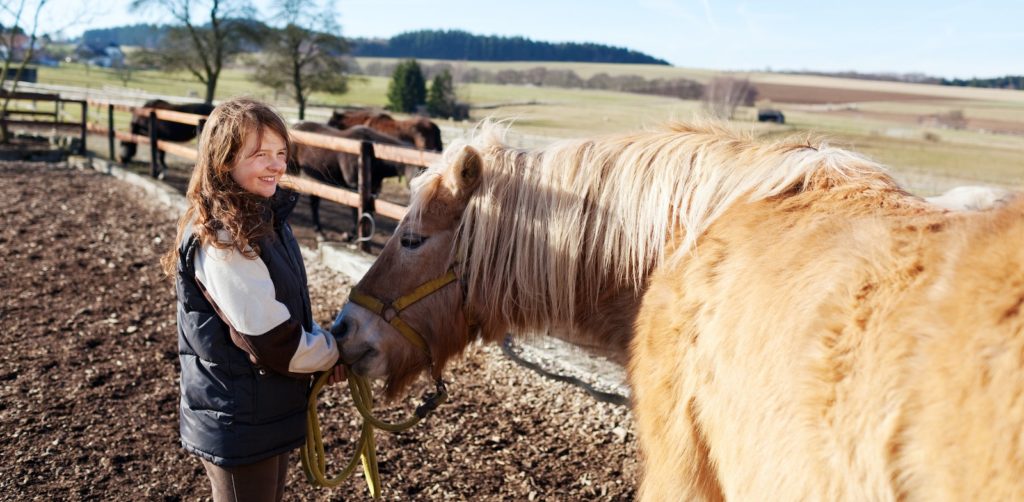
point(338, 375)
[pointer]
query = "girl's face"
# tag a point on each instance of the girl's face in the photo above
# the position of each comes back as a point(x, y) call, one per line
point(262, 163)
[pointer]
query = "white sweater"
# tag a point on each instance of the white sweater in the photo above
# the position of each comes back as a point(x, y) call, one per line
point(244, 292)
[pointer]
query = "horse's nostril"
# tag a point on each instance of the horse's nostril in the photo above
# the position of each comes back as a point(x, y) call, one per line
point(341, 328)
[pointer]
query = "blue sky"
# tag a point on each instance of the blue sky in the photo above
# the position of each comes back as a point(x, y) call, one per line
point(938, 37)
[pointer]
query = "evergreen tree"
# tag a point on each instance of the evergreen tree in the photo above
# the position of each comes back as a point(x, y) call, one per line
point(407, 88)
point(441, 99)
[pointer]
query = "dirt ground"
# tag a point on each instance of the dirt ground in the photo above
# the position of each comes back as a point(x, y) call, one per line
point(89, 369)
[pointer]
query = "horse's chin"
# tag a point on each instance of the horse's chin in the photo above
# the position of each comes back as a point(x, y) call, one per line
point(373, 368)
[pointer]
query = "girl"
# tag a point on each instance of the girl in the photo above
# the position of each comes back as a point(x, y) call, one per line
point(247, 341)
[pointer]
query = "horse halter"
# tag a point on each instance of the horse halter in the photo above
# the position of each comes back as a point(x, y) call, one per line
point(391, 311)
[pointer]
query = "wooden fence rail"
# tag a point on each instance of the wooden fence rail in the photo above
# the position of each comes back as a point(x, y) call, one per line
point(54, 123)
point(368, 154)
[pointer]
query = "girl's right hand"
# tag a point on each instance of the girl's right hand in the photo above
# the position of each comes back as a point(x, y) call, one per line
point(338, 375)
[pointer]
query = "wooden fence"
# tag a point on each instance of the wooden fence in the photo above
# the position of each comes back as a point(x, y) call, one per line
point(39, 117)
point(368, 206)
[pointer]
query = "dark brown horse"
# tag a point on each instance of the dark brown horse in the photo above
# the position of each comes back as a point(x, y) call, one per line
point(169, 131)
point(341, 169)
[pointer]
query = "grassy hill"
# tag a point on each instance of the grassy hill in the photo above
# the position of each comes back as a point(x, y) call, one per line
point(902, 125)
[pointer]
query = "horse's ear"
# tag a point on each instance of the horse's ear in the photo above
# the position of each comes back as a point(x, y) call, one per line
point(466, 171)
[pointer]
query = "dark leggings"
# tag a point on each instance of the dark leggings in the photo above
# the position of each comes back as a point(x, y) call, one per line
point(257, 482)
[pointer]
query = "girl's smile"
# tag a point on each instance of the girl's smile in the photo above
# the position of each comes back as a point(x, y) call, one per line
point(262, 164)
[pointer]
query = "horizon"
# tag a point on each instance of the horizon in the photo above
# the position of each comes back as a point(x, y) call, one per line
point(945, 40)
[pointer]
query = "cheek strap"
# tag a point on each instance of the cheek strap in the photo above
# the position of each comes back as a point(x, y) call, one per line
point(391, 312)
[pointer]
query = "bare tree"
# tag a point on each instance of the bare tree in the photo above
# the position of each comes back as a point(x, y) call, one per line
point(123, 70)
point(202, 50)
point(15, 44)
point(305, 54)
point(722, 95)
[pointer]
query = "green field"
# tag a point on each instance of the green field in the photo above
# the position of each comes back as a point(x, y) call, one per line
point(893, 124)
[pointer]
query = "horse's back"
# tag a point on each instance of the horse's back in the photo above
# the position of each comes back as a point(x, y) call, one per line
point(964, 437)
point(319, 163)
point(795, 340)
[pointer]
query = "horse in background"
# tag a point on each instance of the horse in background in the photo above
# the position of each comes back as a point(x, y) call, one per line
point(421, 132)
point(165, 130)
point(338, 168)
point(799, 326)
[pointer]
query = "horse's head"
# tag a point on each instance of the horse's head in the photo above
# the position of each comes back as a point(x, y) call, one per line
point(337, 120)
point(426, 134)
point(348, 118)
point(407, 314)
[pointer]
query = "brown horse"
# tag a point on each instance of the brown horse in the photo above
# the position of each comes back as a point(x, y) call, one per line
point(338, 168)
point(170, 131)
point(798, 326)
point(419, 131)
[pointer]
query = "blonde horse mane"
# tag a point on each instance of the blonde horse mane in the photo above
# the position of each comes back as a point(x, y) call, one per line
point(549, 228)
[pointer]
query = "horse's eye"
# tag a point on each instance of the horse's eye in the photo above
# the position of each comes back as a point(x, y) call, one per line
point(412, 241)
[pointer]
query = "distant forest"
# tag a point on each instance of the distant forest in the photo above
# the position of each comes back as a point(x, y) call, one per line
point(426, 44)
point(142, 35)
point(1007, 82)
point(461, 45)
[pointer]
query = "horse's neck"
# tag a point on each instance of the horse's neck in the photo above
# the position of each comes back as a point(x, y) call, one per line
point(603, 327)
point(606, 328)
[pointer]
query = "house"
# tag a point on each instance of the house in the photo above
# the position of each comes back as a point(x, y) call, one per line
point(107, 56)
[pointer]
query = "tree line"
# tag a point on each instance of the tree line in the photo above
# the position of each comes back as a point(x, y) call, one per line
point(407, 90)
point(1007, 82)
point(462, 45)
point(541, 76)
point(423, 44)
point(1004, 82)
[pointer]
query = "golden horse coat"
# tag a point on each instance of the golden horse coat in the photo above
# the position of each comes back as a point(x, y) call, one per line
point(797, 326)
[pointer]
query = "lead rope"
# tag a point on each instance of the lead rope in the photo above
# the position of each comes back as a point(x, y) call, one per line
point(314, 461)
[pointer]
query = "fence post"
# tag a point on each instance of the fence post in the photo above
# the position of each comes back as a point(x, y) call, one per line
point(110, 130)
point(85, 121)
point(154, 148)
point(366, 160)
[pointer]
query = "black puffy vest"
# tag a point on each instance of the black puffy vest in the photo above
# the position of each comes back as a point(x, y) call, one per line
point(232, 411)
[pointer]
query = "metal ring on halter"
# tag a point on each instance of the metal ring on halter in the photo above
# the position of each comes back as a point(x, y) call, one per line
point(373, 227)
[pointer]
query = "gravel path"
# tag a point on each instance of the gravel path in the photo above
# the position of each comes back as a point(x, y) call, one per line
point(88, 376)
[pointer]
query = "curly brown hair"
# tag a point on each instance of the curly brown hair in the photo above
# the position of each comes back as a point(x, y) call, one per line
point(215, 200)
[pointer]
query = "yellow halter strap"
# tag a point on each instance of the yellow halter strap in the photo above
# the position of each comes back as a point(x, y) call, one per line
point(391, 312)
point(312, 453)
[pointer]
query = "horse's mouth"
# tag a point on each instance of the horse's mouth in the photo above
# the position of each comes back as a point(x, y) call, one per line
point(360, 363)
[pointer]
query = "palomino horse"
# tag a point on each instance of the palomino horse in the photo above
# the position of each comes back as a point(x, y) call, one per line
point(338, 168)
point(799, 326)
